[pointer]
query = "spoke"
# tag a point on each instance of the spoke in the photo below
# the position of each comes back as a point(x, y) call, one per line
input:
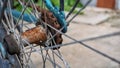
point(60, 55)
point(40, 53)
point(64, 61)
point(7, 20)
point(44, 59)
point(5, 26)
point(79, 11)
point(27, 58)
point(50, 58)
point(22, 12)
point(27, 61)
point(35, 9)
point(53, 54)
point(73, 8)
point(53, 58)
point(18, 61)
point(10, 15)
point(24, 57)
point(3, 9)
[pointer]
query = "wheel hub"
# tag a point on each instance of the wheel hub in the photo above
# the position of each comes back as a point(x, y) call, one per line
point(12, 44)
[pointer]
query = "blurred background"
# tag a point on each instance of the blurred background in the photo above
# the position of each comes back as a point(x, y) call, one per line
point(100, 17)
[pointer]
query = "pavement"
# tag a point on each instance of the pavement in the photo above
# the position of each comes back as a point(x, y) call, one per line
point(79, 56)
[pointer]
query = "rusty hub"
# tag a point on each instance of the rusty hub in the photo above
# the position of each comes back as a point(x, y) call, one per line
point(35, 35)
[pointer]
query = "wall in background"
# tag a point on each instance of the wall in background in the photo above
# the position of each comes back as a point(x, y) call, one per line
point(94, 3)
point(106, 4)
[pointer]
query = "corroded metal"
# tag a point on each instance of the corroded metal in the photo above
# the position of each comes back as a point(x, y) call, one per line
point(50, 19)
point(35, 35)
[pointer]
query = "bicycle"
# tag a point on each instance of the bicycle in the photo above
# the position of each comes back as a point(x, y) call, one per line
point(15, 41)
point(19, 41)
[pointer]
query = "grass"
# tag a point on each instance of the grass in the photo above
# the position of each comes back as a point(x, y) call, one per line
point(67, 8)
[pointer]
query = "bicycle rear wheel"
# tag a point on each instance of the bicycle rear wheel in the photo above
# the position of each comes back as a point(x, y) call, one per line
point(33, 35)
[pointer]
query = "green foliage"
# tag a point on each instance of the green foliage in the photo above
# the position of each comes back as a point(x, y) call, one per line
point(69, 4)
point(55, 2)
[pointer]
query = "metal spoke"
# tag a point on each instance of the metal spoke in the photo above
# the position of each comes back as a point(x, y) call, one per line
point(3, 9)
point(60, 55)
point(79, 11)
point(44, 59)
point(22, 12)
point(7, 20)
point(39, 53)
point(10, 15)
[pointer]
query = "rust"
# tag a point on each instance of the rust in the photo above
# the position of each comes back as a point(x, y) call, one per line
point(35, 35)
point(50, 19)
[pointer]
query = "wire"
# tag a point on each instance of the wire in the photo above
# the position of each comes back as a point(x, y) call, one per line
point(3, 9)
point(73, 8)
point(79, 11)
point(61, 5)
